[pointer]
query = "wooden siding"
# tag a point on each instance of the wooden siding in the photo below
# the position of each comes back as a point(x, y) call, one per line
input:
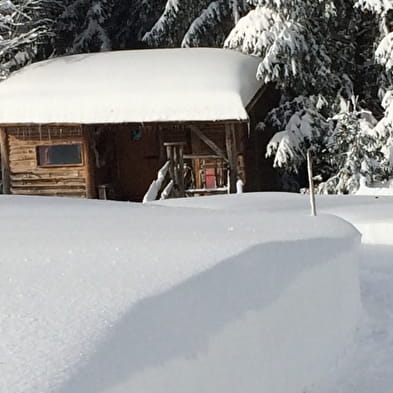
point(122, 158)
point(27, 178)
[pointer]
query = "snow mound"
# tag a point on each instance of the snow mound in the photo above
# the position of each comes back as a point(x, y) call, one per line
point(371, 214)
point(111, 297)
point(381, 189)
point(189, 84)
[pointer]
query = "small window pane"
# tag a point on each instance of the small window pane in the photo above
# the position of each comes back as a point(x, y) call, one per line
point(59, 155)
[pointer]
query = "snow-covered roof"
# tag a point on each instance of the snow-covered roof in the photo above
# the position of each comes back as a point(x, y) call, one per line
point(193, 84)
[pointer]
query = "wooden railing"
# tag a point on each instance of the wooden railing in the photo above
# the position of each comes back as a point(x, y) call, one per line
point(191, 174)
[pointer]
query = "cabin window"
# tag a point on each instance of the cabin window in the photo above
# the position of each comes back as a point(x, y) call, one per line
point(59, 155)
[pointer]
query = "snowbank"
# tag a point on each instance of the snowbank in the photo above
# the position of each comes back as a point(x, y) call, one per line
point(377, 190)
point(372, 215)
point(189, 84)
point(118, 297)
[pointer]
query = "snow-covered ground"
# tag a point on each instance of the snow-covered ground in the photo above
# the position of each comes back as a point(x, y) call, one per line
point(241, 293)
point(368, 364)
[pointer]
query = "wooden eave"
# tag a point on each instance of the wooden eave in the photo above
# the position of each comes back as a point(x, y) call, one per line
point(256, 98)
point(178, 122)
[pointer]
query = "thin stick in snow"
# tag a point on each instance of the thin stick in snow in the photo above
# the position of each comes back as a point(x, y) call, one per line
point(311, 183)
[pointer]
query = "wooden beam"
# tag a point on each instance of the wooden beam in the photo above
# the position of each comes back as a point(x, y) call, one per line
point(89, 166)
point(232, 157)
point(208, 142)
point(181, 170)
point(150, 123)
point(201, 156)
point(256, 98)
point(5, 161)
point(176, 166)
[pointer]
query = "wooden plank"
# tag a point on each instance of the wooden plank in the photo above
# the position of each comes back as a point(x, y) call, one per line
point(208, 142)
point(232, 154)
point(51, 184)
point(159, 132)
point(22, 138)
point(5, 168)
point(39, 125)
point(47, 190)
point(181, 170)
point(89, 167)
point(25, 176)
point(21, 157)
point(49, 171)
point(201, 156)
point(25, 165)
point(22, 149)
point(171, 169)
point(146, 124)
point(63, 193)
point(33, 178)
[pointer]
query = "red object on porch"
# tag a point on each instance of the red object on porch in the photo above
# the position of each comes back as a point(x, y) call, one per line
point(210, 177)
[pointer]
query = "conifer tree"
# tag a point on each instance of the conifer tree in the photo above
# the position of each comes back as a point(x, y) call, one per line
point(195, 23)
point(24, 27)
point(82, 26)
point(354, 151)
point(309, 50)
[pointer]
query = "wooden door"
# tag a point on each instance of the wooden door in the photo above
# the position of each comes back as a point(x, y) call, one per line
point(138, 156)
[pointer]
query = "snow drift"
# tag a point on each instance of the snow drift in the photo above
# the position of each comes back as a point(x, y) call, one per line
point(118, 297)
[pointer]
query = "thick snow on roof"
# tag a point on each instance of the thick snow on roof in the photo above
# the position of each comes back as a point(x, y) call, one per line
point(199, 84)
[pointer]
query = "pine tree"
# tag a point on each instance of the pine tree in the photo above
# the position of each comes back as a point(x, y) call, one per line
point(24, 27)
point(354, 151)
point(82, 27)
point(382, 12)
point(310, 50)
point(195, 23)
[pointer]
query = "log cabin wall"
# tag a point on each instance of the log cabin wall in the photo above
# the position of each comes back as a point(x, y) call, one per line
point(28, 177)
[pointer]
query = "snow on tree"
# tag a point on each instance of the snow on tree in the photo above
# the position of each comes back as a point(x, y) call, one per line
point(300, 122)
point(189, 23)
point(23, 26)
point(309, 50)
point(81, 26)
point(354, 151)
point(96, 25)
point(375, 6)
point(383, 13)
point(130, 20)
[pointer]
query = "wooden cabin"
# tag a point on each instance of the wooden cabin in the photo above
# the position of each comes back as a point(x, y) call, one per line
point(103, 125)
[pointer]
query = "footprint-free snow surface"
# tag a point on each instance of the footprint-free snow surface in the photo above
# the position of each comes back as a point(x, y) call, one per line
point(230, 294)
point(368, 363)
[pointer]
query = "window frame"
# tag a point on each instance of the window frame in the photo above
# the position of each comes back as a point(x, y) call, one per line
point(79, 143)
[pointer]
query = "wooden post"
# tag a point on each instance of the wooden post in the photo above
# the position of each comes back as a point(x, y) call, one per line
point(231, 151)
point(89, 167)
point(181, 170)
point(169, 155)
point(5, 162)
point(311, 183)
point(158, 130)
point(174, 151)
